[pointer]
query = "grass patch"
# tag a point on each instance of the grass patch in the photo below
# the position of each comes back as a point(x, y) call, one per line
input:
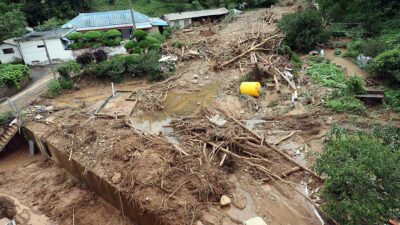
point(347, 104)
point(329, 75)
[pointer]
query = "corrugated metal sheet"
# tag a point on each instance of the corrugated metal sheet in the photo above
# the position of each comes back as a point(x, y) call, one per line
point(112, 19)
point(195, 14)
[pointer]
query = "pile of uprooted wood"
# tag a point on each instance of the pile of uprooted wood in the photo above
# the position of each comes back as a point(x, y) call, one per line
point(257, 49)
point(229, 142)
point(250, 49)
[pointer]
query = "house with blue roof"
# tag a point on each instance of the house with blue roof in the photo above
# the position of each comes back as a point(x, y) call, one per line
point(121, 20)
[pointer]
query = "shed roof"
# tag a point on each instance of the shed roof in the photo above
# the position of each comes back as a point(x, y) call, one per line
point(112, 19)
point(49, 34)
point(195, 14)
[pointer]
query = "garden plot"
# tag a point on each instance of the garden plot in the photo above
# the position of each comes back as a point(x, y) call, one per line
point(117, 105)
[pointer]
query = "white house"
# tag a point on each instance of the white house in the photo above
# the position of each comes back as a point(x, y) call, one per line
point(185, 19)
point(9, 51)
point(33, 49)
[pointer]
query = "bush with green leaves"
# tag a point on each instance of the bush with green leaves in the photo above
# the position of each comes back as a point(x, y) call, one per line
point(6, 118)
point(392, 99)
point(361, 173)
point(139, 35)
point(130, 45)
point(113, 33)
point(92, 35)
point(304, 30)
point(355, 85)
point(68, 69)
point(12, 74)
point(77, 45)
point(112, 69)
point(386, 65)
point(347, 104)
point(75, 36)
point(54, 88)
point(66, 83)
point(328, 74)
point(159, 37)
point(338, 52)
point(146, 65)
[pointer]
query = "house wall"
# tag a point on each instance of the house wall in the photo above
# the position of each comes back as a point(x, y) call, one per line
point(180, 23)
point(35, 54)
point(8, 58)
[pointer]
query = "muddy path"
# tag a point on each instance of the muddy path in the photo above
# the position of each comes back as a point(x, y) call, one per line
point(41, 193)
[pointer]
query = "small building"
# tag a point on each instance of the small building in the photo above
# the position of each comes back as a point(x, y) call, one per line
point(185, 19)
point(121, 20)
point(33, 49)
point(9, 51)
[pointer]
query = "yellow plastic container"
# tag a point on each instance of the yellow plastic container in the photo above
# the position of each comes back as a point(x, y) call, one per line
point(250, 88)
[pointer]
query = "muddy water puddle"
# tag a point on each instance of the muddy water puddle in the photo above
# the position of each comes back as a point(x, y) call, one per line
point(177, 103)
point(26, 215)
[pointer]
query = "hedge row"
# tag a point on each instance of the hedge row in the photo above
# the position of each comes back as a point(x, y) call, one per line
point(95, 39)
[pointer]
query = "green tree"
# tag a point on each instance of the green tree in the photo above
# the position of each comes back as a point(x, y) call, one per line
point(362, 178)
point(303, 30)
point(12, 21)
point(50, 24)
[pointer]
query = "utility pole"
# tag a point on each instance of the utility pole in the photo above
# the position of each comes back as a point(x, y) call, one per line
point(132, 16)
point(48, 57)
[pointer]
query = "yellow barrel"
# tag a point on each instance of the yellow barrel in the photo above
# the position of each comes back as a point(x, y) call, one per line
point(250, 88)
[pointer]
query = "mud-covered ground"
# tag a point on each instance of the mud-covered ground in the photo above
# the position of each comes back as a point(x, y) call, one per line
point(142, 155)
point(35, 191)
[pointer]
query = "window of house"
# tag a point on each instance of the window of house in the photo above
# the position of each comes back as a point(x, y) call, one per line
point(8, 51)
point(40, 46)
point(176, 23)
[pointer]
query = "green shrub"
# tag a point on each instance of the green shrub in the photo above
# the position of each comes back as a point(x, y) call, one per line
point(12, 74)
point(68, 69)
point(65, 83)
point(161, 38)
point(338, 52)
point(347, 104)
point(303, 30)
point(113, 33)
point(112, 69)
point(152, 40)
point(54, 88)
point(139, 35)
point(145, 44)
point(77, 45)
point(130, 45)
point(294, 58)
point(6, 118)
point(355, 85)
point(177, 43)
point(146, 65)
point(392, 98)
point(155, 46)
point(328, 74)
point(137, 50)
point(386, 65)
point(361, 174)
point(373, 47)
point(284, 50)
point(354, 48)
point(92, 35)
point(75, 36)
point(113, 42)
